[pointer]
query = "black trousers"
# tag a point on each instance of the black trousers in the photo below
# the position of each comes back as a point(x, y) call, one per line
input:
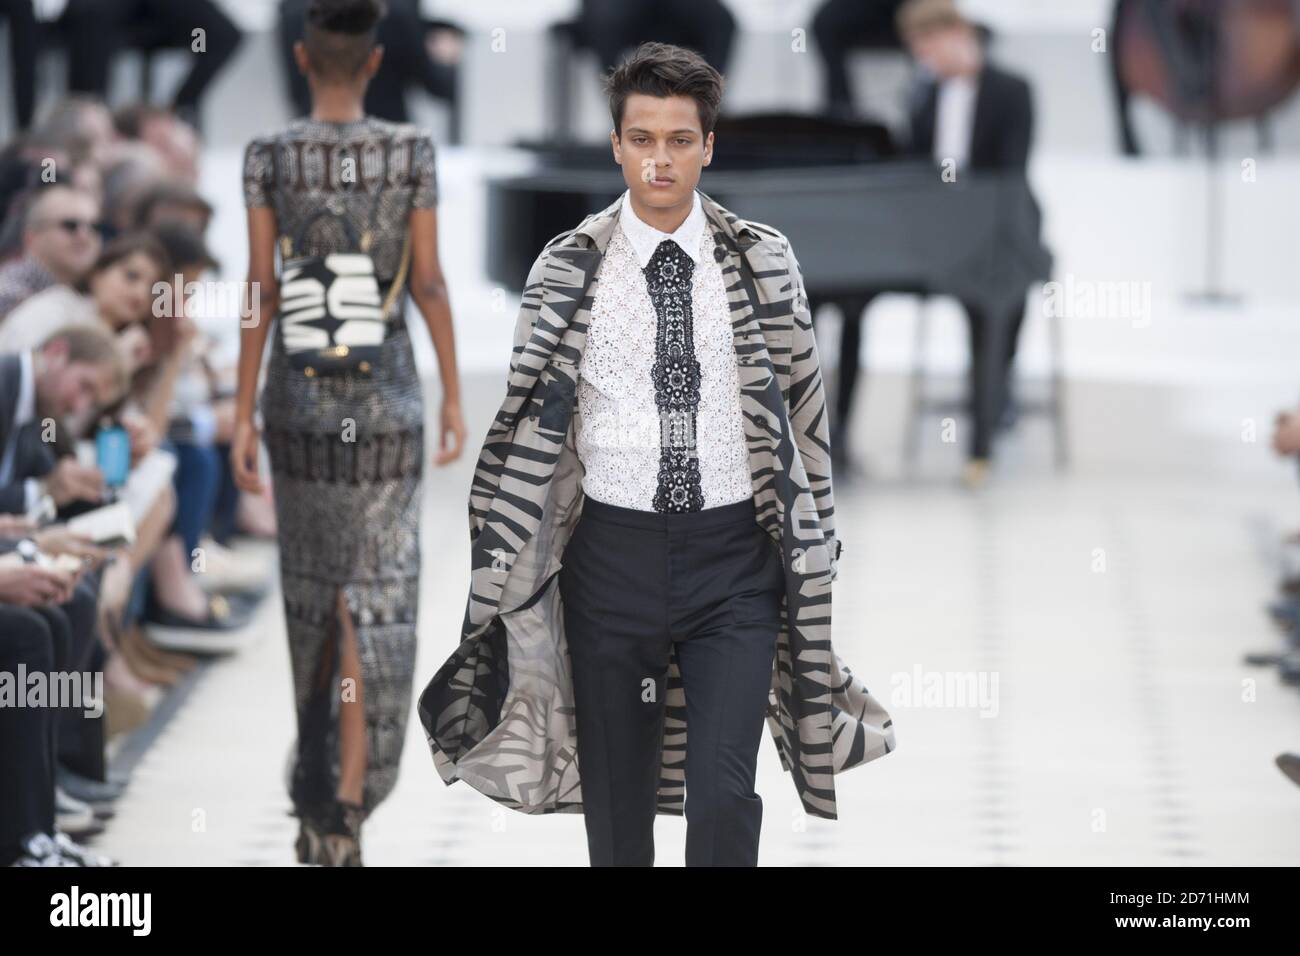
point(842, 25)
point(635, 586)
point(612, 27)
point(36, 640)
point(97, 29)
point(984, 415)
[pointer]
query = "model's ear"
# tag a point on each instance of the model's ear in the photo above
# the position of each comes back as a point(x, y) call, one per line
point(708, 148)
point(616, 146)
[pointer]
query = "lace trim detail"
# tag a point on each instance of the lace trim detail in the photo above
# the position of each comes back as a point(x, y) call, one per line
point(676, 377)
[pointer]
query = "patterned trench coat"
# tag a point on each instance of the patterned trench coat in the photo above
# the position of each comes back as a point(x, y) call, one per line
point(499, 713)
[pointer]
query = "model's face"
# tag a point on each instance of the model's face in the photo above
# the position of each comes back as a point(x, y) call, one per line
point(662, 149)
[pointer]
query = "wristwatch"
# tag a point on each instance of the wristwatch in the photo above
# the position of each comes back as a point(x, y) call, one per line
point(28, 551)
point(43, 509)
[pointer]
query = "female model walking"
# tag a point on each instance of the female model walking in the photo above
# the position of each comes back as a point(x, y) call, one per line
point(345, 437)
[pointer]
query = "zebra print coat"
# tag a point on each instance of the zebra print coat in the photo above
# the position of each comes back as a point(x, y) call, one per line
point(499, 713)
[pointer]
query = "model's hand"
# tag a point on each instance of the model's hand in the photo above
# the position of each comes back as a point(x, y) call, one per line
point(244, 451)
point(451, 433)
point(28, 585)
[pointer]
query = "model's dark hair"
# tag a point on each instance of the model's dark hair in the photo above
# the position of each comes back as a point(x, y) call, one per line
point(339, 35)
point(661, 69)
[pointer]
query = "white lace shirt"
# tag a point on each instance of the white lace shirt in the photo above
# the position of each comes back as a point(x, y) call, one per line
point(618, 433)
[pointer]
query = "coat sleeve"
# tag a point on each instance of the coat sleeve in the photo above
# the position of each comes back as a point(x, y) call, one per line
point(808, 412)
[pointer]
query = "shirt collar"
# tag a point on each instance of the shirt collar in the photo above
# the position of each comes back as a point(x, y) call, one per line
point(26, 410)
point(645, 238)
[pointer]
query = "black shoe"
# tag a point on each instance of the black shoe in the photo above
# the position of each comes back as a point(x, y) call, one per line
point(1288, 668)
point(1289, 764)
point(221, 631)
point(89, 791)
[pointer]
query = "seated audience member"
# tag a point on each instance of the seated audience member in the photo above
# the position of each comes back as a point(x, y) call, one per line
point(134, 168)
point(840, 26)
point(60, 243)
point(79, 124)
point(96, 30)
point(118, 292)
point(37, 634)
point(76, 371)
point(612, 27)
point(175, 394)
point(171, 200)
point(175, 141)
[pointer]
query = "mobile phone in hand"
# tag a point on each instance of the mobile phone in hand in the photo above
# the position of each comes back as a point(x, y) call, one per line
point(113, 453)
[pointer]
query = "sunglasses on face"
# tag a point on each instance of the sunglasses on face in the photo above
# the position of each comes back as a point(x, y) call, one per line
point(74, 226)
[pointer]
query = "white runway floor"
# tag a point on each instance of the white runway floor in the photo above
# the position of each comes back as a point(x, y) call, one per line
point(1108, 608)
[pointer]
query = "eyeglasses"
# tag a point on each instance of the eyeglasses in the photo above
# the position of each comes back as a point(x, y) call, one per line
point(74, 226)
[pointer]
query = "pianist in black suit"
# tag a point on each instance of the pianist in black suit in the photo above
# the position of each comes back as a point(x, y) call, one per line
point(969, 115)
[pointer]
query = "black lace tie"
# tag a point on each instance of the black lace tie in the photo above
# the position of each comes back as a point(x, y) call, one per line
point(676, 378)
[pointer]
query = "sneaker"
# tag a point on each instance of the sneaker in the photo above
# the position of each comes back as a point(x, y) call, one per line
point(40, 849)
point(227, 572)
point(80, 855)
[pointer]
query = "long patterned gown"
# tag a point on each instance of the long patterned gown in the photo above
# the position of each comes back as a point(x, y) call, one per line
point(346, 452)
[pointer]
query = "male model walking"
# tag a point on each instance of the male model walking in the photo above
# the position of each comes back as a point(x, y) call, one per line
point(652, 524)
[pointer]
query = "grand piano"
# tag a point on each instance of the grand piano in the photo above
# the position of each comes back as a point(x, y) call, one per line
point(860, 218)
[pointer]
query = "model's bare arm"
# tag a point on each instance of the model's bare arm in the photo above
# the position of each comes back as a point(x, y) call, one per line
point(429, 290)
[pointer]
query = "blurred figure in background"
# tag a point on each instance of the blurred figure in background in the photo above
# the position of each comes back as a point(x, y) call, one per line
point(117, 292)
point(969, 116)
point(416, 54)
point(611, 27)
point(60, 243)
point(20, 20)
point(840, 27)
point(96, 30)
